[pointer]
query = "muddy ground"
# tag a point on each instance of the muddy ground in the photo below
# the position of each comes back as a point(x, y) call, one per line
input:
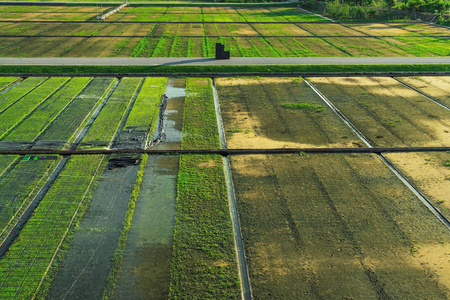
point(87, 263)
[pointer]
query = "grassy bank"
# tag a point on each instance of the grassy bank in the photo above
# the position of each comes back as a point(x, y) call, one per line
point(198, 70)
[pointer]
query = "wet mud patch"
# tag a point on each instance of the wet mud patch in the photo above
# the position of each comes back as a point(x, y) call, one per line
point(87, 263)
point(147, 258)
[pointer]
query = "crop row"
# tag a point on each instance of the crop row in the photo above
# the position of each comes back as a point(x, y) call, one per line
point(27, 260)
point(19, 187)
point(203, 263)
point(12, 116)
point(307, 46)
point(48, 111)
point(143, 115)
point(6, 82)
point(105, 126)
point(65, 127)
point(15, 94)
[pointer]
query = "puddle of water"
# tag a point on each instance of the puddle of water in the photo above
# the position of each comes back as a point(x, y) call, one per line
point(173, 116)
point(147, 257)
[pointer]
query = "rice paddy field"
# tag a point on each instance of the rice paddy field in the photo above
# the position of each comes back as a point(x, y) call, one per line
point(313, 225)
point(189, 31)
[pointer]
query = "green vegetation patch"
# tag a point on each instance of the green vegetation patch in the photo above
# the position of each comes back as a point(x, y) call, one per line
point(27, 260)
point(108, 121)
point(203, 262)
point(22, 109)
point(306, 106)
point(199, 127)
point(46, 113)
point(18, 189)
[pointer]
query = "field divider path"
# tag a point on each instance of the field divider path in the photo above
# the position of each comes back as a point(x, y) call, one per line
point(246, 291)
point(228, 151)
point(405, 181)
point(423, 94)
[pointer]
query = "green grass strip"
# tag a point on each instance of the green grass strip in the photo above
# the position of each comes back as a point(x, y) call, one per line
point(203, 261)
point(155, 70)
point(199, 126)
point(118, 254)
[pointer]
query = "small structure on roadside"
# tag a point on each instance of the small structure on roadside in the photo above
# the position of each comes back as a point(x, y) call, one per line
point(221, 53)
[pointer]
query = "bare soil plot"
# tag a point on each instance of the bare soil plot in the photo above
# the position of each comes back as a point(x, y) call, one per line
point(367, 46)
point(102, 47)
point(280, 30)
point(40, 47)
point(437, 87)
point(254, 115)
point(387, 112)
point(329, 224)
point(379, 29)
point(422, 28)
point(88, 29)
point(430, 173)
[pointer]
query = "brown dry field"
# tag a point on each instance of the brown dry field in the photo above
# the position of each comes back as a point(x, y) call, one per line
point(428, 173)
point(425, 29)
point(437, 87)
point(379, 29)
point(280, 30)
point(49, 47)
point(103, 47)
point(329, 29)
point(335, 226)
point(254, 117)
point(388, 113)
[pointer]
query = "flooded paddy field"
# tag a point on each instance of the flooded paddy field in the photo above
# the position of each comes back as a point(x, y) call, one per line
point(160, 226)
